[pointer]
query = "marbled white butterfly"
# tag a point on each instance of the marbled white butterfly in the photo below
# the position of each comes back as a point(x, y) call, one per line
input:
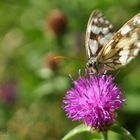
point(107, 49)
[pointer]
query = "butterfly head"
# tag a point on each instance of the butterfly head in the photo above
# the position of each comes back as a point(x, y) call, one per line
point(92, 64)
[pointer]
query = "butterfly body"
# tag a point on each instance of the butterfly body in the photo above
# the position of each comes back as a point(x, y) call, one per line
point(108, 49)
point(92, 64)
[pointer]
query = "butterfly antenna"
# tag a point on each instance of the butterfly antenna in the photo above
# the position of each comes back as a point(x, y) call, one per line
point(59, 57)
point(69, 58)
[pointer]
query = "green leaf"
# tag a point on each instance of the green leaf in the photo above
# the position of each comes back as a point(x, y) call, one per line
point(122, 131)
point(79, 129)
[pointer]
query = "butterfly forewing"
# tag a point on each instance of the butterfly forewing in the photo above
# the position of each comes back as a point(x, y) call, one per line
point(99, 31)
point(123, 46)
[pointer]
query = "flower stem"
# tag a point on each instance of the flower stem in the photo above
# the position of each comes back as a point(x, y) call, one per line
point(105, 136)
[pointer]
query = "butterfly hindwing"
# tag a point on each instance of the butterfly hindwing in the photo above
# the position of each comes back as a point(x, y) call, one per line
point(123, 46)
point(99, 31)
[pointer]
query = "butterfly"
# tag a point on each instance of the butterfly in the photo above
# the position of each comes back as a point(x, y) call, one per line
point(109, 50)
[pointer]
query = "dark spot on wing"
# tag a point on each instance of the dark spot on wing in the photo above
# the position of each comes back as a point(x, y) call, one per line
point(93, 36)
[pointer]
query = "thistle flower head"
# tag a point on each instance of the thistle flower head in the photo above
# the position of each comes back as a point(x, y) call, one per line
point(94, 100)
point(57, 22)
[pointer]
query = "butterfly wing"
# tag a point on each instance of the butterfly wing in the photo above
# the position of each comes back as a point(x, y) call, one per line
point(123, 46)
point(99, 31)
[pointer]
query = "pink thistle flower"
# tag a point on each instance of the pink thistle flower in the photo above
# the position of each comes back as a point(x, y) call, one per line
point(94, 100)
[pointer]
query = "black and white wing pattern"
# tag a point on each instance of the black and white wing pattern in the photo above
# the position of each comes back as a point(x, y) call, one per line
point(122, 47)
point(98, 33)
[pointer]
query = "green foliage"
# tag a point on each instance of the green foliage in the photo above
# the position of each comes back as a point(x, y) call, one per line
point(83, 128)
point(32, 107)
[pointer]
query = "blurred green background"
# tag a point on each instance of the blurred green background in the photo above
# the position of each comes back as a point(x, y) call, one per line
point(33, 84)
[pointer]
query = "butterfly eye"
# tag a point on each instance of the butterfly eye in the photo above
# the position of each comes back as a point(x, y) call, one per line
point(95, 63)
point(89, 64)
